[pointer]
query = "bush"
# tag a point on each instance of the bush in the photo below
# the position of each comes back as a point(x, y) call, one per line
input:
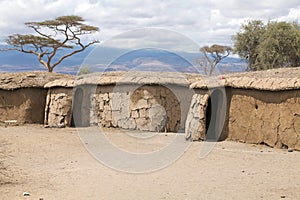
point(85, 70)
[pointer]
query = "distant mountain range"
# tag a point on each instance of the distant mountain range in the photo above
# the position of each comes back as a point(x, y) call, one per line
point(113, 59)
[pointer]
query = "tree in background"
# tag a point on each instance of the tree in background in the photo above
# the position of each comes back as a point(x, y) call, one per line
point(64, 32)
point(274, 45)
point(247, 40)
point(85, 70)
point(212, 56)
point(279, 46)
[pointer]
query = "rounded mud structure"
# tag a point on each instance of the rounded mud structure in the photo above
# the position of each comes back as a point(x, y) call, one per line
point(155, 108)
point(207, 115)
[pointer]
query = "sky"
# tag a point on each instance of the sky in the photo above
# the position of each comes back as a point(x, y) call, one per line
point(202, 22)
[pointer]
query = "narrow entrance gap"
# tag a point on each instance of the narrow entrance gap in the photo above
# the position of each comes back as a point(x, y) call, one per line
point(76, 120)
point(215, 115)
point(208, 114)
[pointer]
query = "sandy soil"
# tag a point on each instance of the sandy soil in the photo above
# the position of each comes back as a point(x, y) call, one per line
point(54, 164)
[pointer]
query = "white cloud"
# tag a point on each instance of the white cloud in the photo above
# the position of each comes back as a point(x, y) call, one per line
point(207, 22)
point(293, 15)
point(153, 38)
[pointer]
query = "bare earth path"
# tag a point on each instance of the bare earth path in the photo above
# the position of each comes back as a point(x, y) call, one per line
point(54, 164)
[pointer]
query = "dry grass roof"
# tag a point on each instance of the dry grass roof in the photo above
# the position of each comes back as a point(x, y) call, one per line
point(272, 80)
point(137, 77)
point(11, 81)
point(131, 77)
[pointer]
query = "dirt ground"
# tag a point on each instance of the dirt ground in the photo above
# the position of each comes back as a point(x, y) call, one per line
point(53, 163)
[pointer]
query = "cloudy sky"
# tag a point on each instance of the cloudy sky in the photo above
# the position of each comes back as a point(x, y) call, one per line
point(205, 22)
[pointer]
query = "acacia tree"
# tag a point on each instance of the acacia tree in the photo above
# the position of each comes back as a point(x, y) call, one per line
point(64, 32)
point(212, 56)
point(247, 40)
point(279, 46)
point(274, 45)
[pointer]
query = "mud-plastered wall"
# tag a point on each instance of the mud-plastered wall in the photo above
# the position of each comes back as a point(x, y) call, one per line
point(265, 117)
point(26, 105)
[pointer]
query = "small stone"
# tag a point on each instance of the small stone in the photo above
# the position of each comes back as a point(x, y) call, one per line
point(290, 150)
point(26, 194)
point(282, 196)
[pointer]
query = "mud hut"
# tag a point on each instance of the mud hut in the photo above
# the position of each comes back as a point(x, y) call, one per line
point(23, 96)
point(149, 101)
point(262, 108)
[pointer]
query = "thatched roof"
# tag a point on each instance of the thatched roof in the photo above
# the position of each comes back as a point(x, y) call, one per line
point(272, 80)
point(131, 77)
point(11, 81)
point(64, 82)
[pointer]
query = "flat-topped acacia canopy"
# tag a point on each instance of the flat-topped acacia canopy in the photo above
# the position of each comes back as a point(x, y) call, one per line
point(51, 36)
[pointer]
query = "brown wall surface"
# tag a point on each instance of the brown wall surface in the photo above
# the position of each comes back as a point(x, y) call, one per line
point(26, 105)
point(264, 117)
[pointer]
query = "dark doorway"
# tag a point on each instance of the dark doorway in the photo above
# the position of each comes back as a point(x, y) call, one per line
point(215, 115)
point(77, 108)
point(208, 114)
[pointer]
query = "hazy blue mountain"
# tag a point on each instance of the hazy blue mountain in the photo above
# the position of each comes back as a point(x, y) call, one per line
point(14, 61)
point(113, 59)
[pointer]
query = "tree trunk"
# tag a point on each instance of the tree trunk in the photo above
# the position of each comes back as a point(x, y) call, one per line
point(49, 68)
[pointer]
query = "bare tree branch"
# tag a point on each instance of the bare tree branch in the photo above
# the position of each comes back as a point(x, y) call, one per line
point(74, 52)
point(212, 56)
point(52, 35)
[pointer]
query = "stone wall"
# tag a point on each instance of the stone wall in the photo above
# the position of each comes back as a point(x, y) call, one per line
point(264, 117)
point(252, 116)
point(58, 107)
point(26, 105)
point(195, 127)
point(149, 108)
point(208, 115)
